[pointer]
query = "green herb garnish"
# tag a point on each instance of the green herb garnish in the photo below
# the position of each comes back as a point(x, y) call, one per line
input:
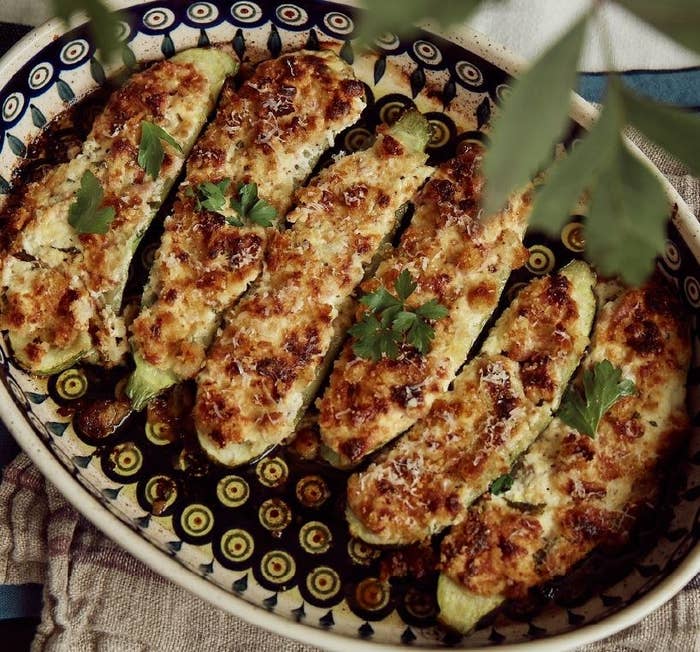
point(388, 322)
point(501, 484)
point(151, 153)
point(248, 204)
point(86, 214)
point(210, 196)
point(603, 386)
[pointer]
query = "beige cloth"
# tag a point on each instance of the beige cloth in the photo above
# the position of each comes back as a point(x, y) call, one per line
point(98, 597)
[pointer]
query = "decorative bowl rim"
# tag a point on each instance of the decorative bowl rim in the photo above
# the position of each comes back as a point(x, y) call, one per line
point(84, 502)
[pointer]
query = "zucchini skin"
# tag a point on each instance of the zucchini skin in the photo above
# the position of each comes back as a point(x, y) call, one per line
point(500, 403)
point(587, 490)
point(271, 132)
point(62, 289)
point(264, 368)
point(458, 260)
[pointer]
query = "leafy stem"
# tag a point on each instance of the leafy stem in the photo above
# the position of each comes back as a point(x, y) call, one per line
point(388, 322)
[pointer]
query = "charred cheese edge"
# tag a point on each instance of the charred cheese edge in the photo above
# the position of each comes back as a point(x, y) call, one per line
point(500, 402)
point(585, 490)
point(459, 260)
point(62, 289)
point(266, 365)
point(271, 132)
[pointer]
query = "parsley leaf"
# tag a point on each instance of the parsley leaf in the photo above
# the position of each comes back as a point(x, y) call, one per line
point(251, 206)
point(603, 386)
point(501, 484)
point(85, 214)
point(421, 335)
point(405, 285)
point(379, 300)
point(388, 322)
point(151, 153)
point(432, 310)
point(210, 196)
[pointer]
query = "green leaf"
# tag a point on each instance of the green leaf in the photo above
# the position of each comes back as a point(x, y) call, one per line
point(403, 321)
point(387, 343)
point(86, 214)
point(432, 310)
point(501, 484)
point(262, 213)
point(151, 153)
point(421, 335)
point(104, 25)
point(366, 333)
point(626, 224)
point(533, 119)
point(379, 300)
point(389, 314)
point(679, 19)
point(388, 322)
point(676, 130)
point(247, 204)
point(405, 285)
point(210, 196)
point(571, 175)
point(603, 386)
point(247, 194)
point(399, 16)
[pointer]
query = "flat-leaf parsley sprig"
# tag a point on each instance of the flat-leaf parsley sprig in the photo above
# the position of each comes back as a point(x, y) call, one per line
point(151, 153)
point(603, 386)
point(87, 213)
point(388, 322)
point(210, 196)
point(245, 202)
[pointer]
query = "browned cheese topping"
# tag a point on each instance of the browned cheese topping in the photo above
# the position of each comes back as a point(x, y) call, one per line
point(455, 258)
point(269, 132)
point(573, 492)
point(52, 273)
point(472, 434)
point(261, 372)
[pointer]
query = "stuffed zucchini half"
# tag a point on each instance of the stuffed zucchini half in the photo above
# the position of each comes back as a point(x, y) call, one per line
point(267, 135)
point(64, 275)
point(572, 491)
point(458, 260)
point(500, 403)
point(265, 367)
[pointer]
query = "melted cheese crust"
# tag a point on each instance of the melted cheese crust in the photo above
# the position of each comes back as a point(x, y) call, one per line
point(61, 284)
point(454, 258)
point(585, 490)
point(270, 132)
point(473, 433)
point(263, 368)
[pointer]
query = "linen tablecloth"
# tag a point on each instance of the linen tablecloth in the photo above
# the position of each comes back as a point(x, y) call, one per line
point(89, 583)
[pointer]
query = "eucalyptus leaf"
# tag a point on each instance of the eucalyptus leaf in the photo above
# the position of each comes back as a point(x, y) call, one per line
point(533, 118)
point(676, 130)
point(104, 24)
point(679, 19)
point(627, 217)
point(571, 175)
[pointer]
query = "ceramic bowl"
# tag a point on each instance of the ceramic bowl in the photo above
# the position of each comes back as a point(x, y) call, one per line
point(216, 535)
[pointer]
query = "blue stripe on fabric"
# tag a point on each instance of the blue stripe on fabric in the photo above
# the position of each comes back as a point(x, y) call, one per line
point(20, 601)
point(679, 87)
